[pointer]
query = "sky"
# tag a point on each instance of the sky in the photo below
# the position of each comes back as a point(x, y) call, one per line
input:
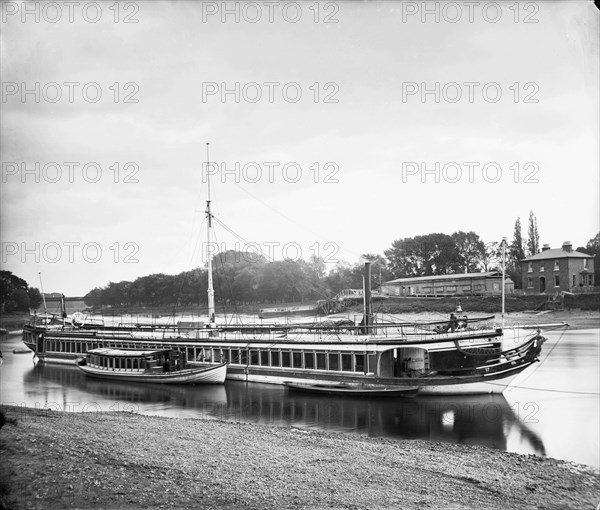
point(335, 128)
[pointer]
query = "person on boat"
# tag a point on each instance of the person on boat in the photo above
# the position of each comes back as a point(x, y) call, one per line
point(453, 324)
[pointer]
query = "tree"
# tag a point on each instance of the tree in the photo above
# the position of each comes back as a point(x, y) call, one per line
point(593, 248)
point(431, 254)
point(14, 293)
point(318, 265)
point(516, 251)
point(471, 250)
point(491, 256)
point(404, 258)
point(35, 297)
point(533, 240)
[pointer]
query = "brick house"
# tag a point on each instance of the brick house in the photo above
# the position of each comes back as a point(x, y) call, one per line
point(556, 270)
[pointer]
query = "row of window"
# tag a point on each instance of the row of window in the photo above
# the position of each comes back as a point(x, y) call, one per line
point(446, 288)
point(285, 358)
point(556, 281)
point(583, 280)
point(556, 265)
point(117, 363)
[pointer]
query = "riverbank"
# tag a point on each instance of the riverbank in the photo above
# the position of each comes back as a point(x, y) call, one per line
point(119, 460)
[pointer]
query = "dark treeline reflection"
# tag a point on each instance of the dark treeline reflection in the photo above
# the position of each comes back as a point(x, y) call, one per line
point(480, 420)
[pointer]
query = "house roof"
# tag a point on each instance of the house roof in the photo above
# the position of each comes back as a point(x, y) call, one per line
point(461, 276)
point(558, 253)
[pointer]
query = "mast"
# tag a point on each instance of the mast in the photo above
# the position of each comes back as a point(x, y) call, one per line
point(43, 296)
point(503, 277)
point(211, 290)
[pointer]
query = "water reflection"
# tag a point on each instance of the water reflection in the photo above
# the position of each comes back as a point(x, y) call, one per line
point(478, 420)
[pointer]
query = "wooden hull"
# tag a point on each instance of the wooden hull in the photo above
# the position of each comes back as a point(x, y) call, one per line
point(355, 390)
point(201, 375)
point(288, 312)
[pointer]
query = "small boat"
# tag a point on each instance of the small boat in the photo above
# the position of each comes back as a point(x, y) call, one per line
point(165, 366)
point(321, 307)
point(355, 390)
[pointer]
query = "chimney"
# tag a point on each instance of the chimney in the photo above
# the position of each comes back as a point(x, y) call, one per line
point(545, 247)
point(567, 246)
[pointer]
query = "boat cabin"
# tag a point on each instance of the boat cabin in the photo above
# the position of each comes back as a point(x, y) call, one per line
point(159, 360)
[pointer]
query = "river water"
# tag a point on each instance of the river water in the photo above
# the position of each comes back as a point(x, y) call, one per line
point(554, 411)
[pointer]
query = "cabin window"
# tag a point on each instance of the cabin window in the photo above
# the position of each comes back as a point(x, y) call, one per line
point(451, 288)
point(285, 359)
point(297, 359)
point(321, 361)
point(253, 357)
point(334, 362)
point(556, 265)
point(190, 353)
point(244, 357)
point(556, 280)
point(346, 362)
point(235, 356)
point(264, 358)
point(372, 362)
point(309, 360)
point(360, 362)
point(129, 366)
point(275, 358)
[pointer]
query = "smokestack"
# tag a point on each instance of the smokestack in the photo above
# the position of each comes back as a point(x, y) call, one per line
point(368, 317)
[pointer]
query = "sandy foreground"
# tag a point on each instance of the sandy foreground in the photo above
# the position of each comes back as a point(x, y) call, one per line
point(121, 460)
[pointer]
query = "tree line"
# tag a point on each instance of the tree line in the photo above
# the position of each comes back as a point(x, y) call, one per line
point(243, 277)
point(16, 295)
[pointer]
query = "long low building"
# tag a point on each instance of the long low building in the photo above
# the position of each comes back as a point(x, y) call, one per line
point(467, 284)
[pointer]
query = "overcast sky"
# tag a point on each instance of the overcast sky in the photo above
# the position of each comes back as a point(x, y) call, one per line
point(327, 99)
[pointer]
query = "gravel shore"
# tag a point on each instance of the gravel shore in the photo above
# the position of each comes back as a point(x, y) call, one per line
point(120, 460)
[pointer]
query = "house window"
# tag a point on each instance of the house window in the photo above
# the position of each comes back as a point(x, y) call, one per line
point(556, 265)
point(574, 280)
point(529, 282)
point(590, 279)
point(585, 264)
point(530, 267)
point(556, 280)
point(542, 267)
